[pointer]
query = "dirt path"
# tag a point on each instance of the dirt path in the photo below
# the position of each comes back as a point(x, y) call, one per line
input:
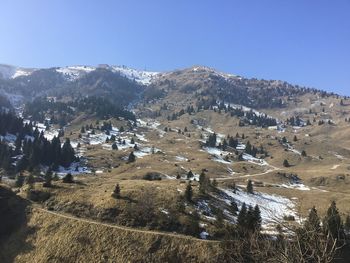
point(273, 168)
point(90, 221)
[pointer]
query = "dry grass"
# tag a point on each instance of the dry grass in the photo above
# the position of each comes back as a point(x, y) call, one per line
point(58, 239)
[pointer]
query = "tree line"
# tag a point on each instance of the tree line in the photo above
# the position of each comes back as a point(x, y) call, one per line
point(31, 148)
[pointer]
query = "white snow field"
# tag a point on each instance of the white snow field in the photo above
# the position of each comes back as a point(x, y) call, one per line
point(143, 77)
point(273, 207)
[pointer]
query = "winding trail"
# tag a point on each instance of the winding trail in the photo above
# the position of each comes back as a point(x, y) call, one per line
point(123, 228)
point(273, 169)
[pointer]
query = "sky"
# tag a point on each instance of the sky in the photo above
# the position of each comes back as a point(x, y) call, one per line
point(302, 42)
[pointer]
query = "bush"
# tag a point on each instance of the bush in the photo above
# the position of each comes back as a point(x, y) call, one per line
point(289, 218)
point(151, 176)
point(286, 163)
point(68, 178)
point(38, 196)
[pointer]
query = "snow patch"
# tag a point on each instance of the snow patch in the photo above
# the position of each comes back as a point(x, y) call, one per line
point(273, 207)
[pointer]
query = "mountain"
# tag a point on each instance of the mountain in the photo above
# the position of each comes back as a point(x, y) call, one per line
point(11, 72)
point(190, 165)
point(197, 82)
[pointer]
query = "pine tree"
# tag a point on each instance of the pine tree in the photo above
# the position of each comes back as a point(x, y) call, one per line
point(224, 145)
point(114, 146)
point(116, 191)
point(257, 218)
point(68, 178)
point(188, 192)
point(131, 157)
point(286, 163)
point(313, 221)
point(190, 175)
point(332, 222)
point(219, 222)
point(68, 154)
point(233, 207)
point(250, 187)
point(211, 142)
point(241, 219)
point(132, 141)
point(347, 223)
point(203, 183)
point(303, 153)
point(48, 179)
point(248, 148)
point(295, 139)
point(249, 220)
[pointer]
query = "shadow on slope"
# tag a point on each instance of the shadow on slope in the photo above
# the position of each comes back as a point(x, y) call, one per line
point(13, 225)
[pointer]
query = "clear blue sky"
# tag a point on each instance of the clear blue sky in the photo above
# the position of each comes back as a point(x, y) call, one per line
point(305, 42)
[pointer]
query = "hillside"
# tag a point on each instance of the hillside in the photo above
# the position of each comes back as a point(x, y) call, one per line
point(161, 165)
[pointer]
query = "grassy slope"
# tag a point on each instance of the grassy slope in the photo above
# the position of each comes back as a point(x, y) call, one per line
point(58, 239)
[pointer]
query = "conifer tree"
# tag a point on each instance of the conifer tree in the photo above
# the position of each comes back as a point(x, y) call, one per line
point(48, 178)
point(188, 192)
point(347, 224)
point(248, 148)
point(313, 221)
point(219, 218)
point(284, 140)
point(224, 145)
point(233, 207)
point(250, 187)
point(68, 154)
point(241, 219)
point(190, 175)
point(257, 218)
point(114, 146)
point(131, 157)
point(249, 220)
point(68, 178)
point(116, 191)
point(332, 222)
point(286, 163)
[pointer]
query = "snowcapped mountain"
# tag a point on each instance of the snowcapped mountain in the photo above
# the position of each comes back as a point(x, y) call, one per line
point(75, 72)
point(72, 73)
point(143, 77)
point(11, 72)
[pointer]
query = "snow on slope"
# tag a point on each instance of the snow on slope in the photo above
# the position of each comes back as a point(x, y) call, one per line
point(143, 77)
point(11, 72)
point(75, 72)
point(273, 207)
